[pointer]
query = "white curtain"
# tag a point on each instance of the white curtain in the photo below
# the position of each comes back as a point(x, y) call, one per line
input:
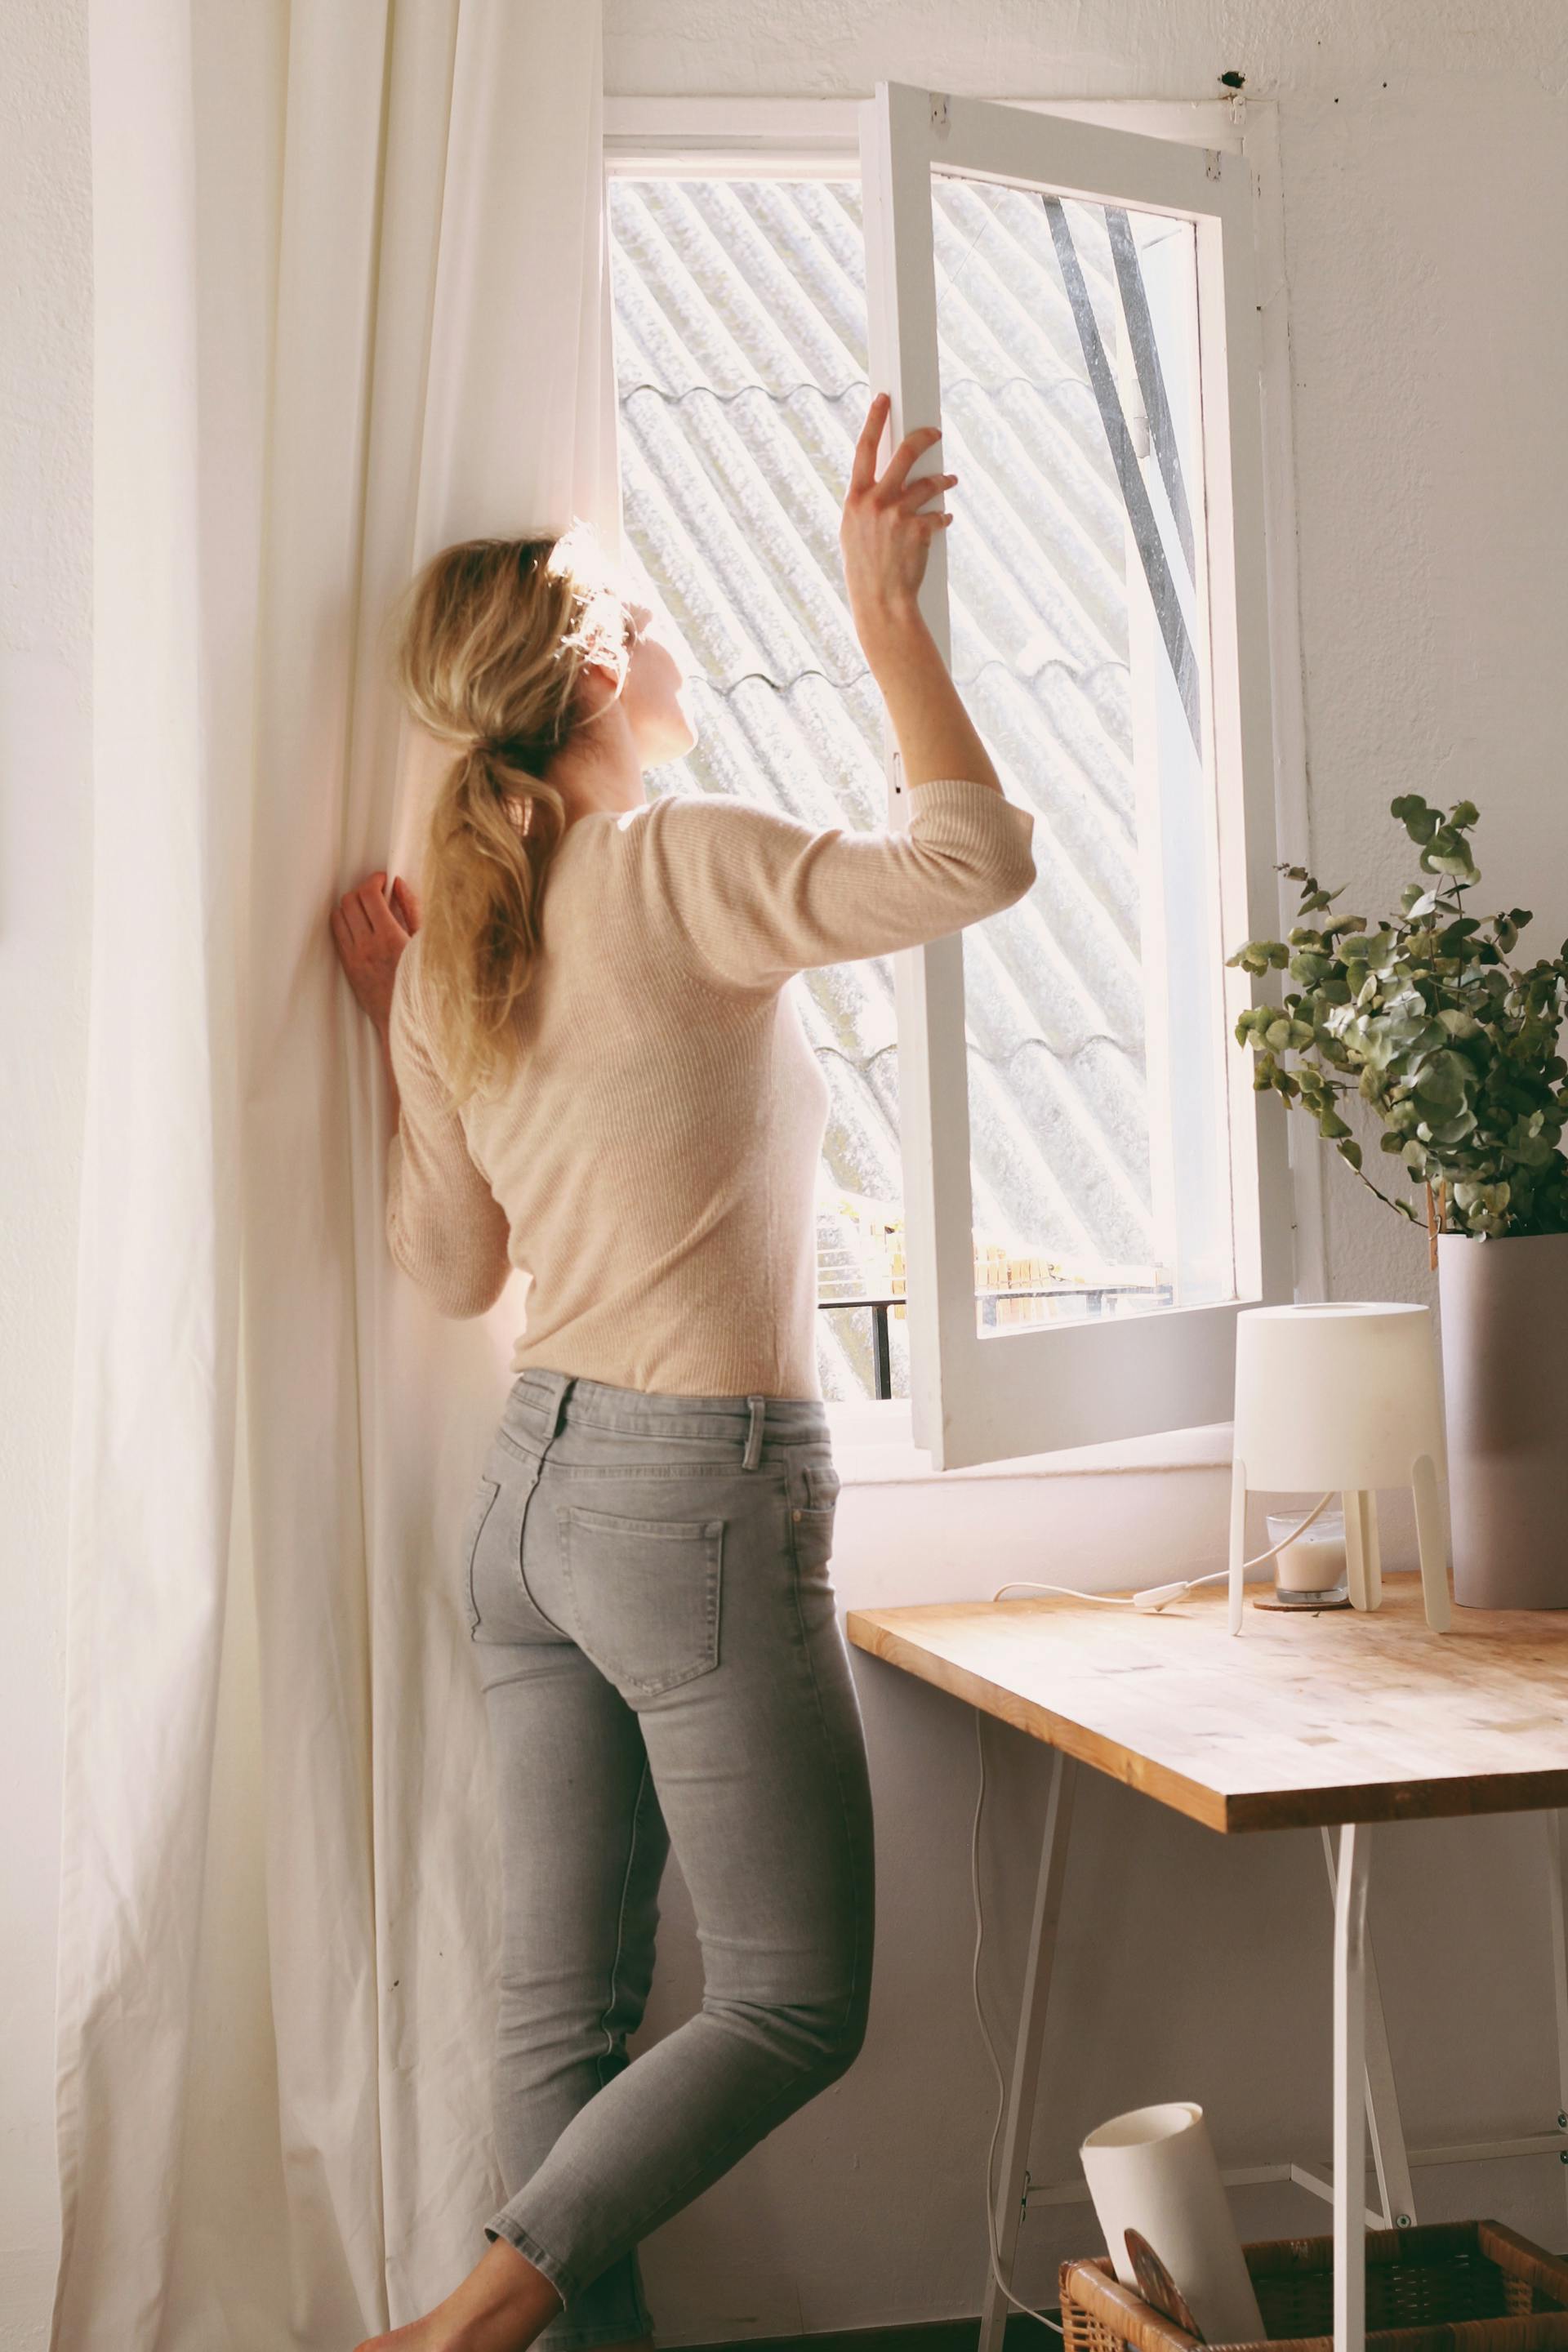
point(351, 303)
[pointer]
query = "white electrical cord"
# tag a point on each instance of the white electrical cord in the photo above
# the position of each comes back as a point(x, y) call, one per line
point(1153, 1598)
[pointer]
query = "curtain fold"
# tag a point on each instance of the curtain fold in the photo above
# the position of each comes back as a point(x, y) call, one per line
point(351, 303)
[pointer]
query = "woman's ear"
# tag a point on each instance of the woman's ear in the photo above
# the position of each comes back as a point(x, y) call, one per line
point(596, 684)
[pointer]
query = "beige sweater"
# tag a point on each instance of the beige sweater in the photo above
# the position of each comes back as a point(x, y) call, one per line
point(650, 1165)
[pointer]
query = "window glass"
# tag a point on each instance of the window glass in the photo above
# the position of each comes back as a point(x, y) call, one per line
point(1066, 336)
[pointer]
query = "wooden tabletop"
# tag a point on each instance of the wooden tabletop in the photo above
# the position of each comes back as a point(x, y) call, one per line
point(1302, 1719)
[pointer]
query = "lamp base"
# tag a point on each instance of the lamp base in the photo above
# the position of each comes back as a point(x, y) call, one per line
point(1313, 1601)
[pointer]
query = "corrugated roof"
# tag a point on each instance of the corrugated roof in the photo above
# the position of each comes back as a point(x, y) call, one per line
point(741, 354)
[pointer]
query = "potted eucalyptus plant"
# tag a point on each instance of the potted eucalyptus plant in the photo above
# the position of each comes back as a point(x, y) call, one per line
point(1451, 1046)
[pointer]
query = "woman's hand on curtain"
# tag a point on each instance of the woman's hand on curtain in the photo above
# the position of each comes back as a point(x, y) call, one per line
point(371, 930)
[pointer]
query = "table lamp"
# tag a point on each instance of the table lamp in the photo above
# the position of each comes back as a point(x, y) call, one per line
point(1342, 1397)
point(1154, 2170)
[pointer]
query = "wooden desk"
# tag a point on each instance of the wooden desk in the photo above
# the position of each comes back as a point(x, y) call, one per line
point(1334, 1721)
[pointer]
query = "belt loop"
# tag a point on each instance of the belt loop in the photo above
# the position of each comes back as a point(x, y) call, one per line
point(753, 1452)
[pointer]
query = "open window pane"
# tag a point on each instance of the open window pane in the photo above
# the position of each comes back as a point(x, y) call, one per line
point(1067, 337)
point(1090, 1187)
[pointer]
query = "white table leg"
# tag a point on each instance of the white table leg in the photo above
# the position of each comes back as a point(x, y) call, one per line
point(1349, 2090)
point(1556, 1826)
point(1390, 2157)
point(1026, 2050)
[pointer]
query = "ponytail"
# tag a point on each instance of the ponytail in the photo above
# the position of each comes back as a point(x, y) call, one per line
point(495, 636)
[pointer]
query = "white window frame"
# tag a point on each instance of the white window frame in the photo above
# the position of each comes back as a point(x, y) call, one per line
point(976, 1400)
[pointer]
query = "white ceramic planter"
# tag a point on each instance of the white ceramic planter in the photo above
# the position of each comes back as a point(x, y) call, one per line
point(1503, 1304)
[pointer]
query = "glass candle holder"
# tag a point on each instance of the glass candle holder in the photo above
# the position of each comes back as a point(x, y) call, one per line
point(1311, 1572)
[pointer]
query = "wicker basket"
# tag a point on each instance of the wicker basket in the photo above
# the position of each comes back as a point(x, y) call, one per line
point(1458, 2286)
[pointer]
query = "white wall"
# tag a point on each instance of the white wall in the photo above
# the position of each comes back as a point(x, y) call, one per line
point(1426, 172)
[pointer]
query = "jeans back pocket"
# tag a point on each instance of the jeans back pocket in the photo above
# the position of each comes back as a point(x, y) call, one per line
point(645, 1596)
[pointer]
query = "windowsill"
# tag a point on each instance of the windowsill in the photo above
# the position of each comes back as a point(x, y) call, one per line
point(872, 1447)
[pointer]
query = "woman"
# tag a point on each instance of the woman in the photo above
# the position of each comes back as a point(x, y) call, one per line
point(599, 1078)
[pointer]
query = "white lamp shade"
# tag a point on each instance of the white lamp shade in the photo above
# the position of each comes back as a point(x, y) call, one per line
point(1340, 1395)
point(1154, 2171)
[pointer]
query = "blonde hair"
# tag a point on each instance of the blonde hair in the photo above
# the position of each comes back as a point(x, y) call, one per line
point(493, 637)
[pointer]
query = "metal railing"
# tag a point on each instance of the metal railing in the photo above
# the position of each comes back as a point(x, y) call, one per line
point(1093, 1295)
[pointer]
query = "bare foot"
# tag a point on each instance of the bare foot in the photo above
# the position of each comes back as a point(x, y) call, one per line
point(502, 2305)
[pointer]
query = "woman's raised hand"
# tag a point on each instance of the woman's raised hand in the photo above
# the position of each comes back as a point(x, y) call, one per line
point(371, 931)
point(883, 535)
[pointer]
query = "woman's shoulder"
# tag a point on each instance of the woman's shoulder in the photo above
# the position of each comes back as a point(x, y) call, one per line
point(694, 819)
point(700, 855)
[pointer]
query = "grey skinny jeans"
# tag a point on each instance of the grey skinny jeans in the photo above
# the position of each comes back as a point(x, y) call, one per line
point(651, 1612)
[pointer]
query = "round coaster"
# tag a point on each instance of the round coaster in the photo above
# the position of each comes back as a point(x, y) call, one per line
point(1297, 1608)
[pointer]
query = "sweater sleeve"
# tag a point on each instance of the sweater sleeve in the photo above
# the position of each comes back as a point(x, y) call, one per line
point(444, 1225)
point(760, 896)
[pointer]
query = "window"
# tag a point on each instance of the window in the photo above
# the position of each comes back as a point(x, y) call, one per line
point(1040, 1137)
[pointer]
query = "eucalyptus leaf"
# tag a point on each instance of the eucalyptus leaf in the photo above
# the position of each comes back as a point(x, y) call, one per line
point(1445, 1079)
point(1420, 821)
